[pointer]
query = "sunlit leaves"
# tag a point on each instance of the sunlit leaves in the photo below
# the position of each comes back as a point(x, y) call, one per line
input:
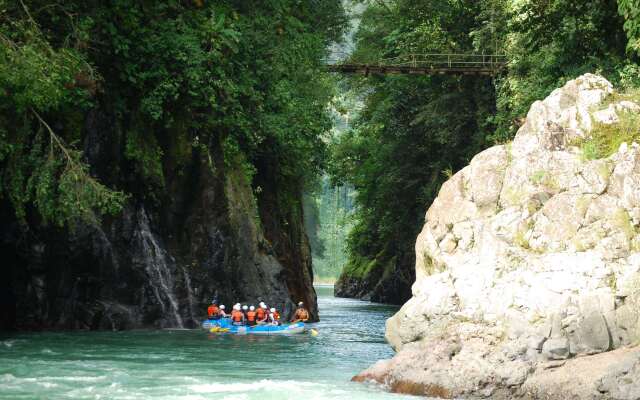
point(35, 75)
point(630, 10)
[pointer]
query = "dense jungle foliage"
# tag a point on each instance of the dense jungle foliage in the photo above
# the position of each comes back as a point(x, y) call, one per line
point(415, 131)
point(176, 76)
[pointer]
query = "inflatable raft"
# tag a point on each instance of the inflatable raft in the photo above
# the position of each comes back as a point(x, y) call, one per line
point(224, 325)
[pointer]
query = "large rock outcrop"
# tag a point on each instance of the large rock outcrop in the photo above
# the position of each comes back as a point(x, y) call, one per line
point(161, 261)
point(529, 258)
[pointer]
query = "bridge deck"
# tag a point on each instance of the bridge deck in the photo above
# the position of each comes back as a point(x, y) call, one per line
point(426, 64)
point(367, 69)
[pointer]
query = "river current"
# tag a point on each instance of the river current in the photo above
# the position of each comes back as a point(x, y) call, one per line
point(196, 365)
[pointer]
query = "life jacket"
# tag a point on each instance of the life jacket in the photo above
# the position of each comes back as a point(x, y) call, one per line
point(276, 316)
point(251, 316)
point(302, 314)
point(212, 310)
point(236, 316)
point(260, 313)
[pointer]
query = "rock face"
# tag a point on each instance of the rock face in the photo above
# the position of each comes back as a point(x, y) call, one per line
point(382, 282)
point(529, 258)
point(161, 261)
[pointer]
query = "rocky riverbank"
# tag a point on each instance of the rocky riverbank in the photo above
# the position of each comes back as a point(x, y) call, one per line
point(528, 265)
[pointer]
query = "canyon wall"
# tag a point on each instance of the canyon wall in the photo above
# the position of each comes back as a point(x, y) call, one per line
point(206, 234)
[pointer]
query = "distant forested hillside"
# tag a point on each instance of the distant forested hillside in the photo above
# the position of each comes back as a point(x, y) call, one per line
point(332, 210)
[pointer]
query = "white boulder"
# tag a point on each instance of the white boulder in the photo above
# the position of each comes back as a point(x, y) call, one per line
point(528, 256)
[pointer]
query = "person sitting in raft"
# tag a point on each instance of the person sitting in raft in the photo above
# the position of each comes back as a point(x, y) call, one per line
point(222, 313)
point(213, 311)
point(245, 308)
point(251, 316)
point(274, 316)
point(301, 315)
point(237, 317)
point(262, 316)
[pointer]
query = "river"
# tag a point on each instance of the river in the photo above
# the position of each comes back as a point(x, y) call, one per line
point(193, 364)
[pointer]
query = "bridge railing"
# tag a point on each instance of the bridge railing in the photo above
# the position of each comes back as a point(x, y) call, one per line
point(458, 61)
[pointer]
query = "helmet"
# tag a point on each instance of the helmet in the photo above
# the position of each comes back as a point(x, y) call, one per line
point(236, 307)
point(222, 307)
point(263, 306)
point(300, 304)
point(273, 310)
point(252, 308)
point(245, 308)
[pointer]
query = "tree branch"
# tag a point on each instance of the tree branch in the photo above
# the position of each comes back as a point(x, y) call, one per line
point(54, 137)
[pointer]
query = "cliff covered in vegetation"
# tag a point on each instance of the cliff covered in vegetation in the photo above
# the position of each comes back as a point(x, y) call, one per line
point(154, 155)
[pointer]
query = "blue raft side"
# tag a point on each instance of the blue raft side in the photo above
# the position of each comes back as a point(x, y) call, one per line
point(225, 323)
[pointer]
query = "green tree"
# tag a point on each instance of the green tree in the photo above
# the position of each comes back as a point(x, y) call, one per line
point(630, 10)
point(173, 77)
point(39, 167)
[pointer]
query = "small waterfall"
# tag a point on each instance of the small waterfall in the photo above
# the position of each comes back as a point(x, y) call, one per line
point(157, 268)
point(187, 283)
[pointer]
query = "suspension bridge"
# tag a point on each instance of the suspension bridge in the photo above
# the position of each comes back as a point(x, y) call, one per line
point(425, 64)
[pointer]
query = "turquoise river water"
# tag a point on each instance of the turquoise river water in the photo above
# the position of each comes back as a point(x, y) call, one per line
point(196, 365)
